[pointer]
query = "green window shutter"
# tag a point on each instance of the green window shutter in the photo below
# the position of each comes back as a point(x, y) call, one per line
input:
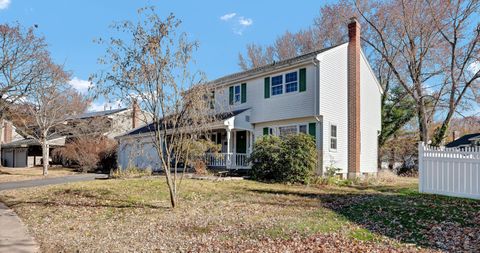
point(230, 97)
point(312, 129)
point(265, 131)
point(244, 93)
point(303, 79)
point(267, 87)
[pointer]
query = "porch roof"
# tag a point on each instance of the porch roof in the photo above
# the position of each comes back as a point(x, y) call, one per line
point(29, 142)
point(152, 126)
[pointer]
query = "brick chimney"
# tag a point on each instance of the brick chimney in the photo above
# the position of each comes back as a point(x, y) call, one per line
point(353, 97)
point(455, 135)
point(7, 132)
point(135, 114)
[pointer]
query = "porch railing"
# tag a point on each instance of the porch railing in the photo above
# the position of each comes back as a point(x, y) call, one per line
point(227, 160)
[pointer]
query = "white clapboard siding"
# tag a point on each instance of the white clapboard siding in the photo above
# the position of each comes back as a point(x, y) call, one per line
point(449, 171)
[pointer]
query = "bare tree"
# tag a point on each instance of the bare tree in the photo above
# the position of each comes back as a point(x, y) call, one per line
point(256, 56)
point(454, 23)
point(150, 62)
point(47, 107)
point(328, 29)
point(20, 54)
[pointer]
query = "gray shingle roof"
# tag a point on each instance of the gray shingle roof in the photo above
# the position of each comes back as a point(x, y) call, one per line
point(27, 142)
point(462, 141)
point(271, 66)
point(151, 127)
point(98, 114)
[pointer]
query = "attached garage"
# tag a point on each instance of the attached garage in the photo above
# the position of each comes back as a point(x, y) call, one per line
point(7, 155)
point(26, 152)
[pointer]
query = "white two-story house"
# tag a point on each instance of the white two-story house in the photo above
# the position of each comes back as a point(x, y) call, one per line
point(331, 94)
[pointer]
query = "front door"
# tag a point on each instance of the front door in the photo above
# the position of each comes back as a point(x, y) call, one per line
point(241, 141)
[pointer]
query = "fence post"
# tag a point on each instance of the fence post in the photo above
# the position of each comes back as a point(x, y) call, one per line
point(421, 148)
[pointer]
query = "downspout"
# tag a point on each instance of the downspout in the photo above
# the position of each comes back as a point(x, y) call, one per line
point(318, 117)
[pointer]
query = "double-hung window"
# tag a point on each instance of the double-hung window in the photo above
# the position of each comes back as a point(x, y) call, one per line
point(302, 129)
point(277, 85)
point(285, 83)
point(237, 93)
point(291, 82)
point(212, 100)
point(333, 137)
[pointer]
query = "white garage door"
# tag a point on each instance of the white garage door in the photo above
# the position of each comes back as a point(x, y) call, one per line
point(8, 158)
point(21, 158)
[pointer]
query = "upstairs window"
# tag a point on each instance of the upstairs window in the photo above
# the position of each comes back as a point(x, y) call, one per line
point(285, 83)
point(277, 85)
point(333, 137)
point(212, 100)
point(291, 82)
point(237, 94)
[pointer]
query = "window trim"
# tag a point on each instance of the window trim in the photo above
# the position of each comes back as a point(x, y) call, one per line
point(331, 137)
point(284, 83)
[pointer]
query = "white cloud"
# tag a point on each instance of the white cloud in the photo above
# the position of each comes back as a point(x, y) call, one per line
point(241, 25)
point(238, 23)
point(4, 4)
point(105, 105)
point(228, 16)
point(79, 84)
point(245, 21)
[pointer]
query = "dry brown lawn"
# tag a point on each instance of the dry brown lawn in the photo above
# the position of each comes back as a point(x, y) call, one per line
point(244, 216)
point(21, 174)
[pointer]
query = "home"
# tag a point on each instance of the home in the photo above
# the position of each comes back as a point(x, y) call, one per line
point(331, 94)
point(468, 140)
point(27, 152)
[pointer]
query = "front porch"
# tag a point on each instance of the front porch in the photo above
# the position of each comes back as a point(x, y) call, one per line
point(236, 146)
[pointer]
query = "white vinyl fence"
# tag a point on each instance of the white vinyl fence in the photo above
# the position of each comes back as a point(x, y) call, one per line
point(449, 171)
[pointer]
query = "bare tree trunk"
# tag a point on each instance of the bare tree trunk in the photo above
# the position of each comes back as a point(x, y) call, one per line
point(45, 157)
point(1, 134)
point(171, 188)
point(422, 122)
point(441, 133)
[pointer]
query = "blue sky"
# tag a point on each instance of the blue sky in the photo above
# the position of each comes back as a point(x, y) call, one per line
point(70, 27)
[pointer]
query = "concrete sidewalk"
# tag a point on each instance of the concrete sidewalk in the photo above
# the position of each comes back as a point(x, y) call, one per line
point(14, 236)
point(51, 181)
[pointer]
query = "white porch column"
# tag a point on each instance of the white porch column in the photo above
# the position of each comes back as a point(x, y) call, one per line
point(250, 142)
point(229, 133)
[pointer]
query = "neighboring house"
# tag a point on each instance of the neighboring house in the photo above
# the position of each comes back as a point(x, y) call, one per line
point(27, 152)
point(331, 94)
point(468, 140)
point(8, 132)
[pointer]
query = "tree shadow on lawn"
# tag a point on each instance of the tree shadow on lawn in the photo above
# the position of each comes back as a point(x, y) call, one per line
point(87, 198)
point(432, 221)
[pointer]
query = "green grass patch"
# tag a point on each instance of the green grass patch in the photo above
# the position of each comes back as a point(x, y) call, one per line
point(362, 234)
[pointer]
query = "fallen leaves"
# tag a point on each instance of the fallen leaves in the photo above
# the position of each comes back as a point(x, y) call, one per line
point(243, 216)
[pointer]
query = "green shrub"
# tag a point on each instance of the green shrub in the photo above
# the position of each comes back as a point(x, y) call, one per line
point(300, 158)
point(291, 159)
point(265, 158)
